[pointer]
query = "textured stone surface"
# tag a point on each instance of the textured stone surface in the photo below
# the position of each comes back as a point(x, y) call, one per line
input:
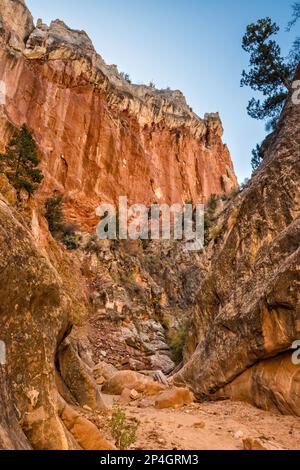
point(11, 434)
point(102, 137)
point(35, 317)
point(78, 378)
point(175, 398)
point(247, 310)
point(33, 320)
point(16, 24)
point(104, 370)
point(85, 433)
point(7, 191)
point(125, 379)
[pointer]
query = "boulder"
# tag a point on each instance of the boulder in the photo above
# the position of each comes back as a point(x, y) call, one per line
point(84, 432)
point(128, 379)
point(260, 444)
point(78, 378)
point(103, 369)
point(174, 398)
point(162, 362)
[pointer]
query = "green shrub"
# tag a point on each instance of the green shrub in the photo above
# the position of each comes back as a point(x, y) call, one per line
point(177, 343)
point(207, 225)
point(20, 161)
point(54, 213)
point(215, 232)
point(70, 238)
point(125, 76)
point(65, 233)
point(124, 431)
point(71, 241)
point(213, 203)
point(93, 246)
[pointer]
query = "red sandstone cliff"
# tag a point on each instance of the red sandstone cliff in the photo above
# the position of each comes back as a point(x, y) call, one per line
point(100, 136)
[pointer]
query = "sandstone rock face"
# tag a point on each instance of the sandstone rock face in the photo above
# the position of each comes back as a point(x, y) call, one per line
point(107, 371)
point(78, 378)
point(35, 317)
point(16, 24)
point(140, 296)
point(100, 136)
point(11, 434)
point(247, 313)
point(84, 432)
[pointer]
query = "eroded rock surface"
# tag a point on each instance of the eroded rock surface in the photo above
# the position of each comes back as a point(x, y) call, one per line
point(247, 313)
point(100, 136)
point(35, 317)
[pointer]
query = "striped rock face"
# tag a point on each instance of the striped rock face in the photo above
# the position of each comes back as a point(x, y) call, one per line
point(244, 342)
point(100, 136)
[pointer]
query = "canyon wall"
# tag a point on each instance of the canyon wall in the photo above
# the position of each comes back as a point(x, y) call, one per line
point(100, 136)
point(247, 315)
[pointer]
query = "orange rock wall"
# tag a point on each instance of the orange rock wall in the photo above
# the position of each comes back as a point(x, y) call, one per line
point(94, 145)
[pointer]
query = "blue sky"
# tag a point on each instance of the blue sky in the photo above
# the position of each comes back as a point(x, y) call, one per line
point(191, 45)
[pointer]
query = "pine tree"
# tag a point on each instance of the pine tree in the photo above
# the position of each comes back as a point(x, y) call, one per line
point(20, 161)
point(269, 72)
point(294, 56)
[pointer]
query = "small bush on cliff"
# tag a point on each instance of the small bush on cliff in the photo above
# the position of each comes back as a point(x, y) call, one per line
point(212, 203)
point(70, 238)
point(215, 232)
point(258, 154)
point(177, 343)
point(20, 161)
point(124, 431)
point(65, 233)
point(125, 76)
point(93, 245)
point(54, 213)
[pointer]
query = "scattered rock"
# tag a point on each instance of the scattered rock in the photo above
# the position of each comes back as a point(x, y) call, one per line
point(134, 395)
point(87, 408)
point(100, 380)
point(260, 444)
point(199, 425)
point(103, 369)
point(162, 362)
